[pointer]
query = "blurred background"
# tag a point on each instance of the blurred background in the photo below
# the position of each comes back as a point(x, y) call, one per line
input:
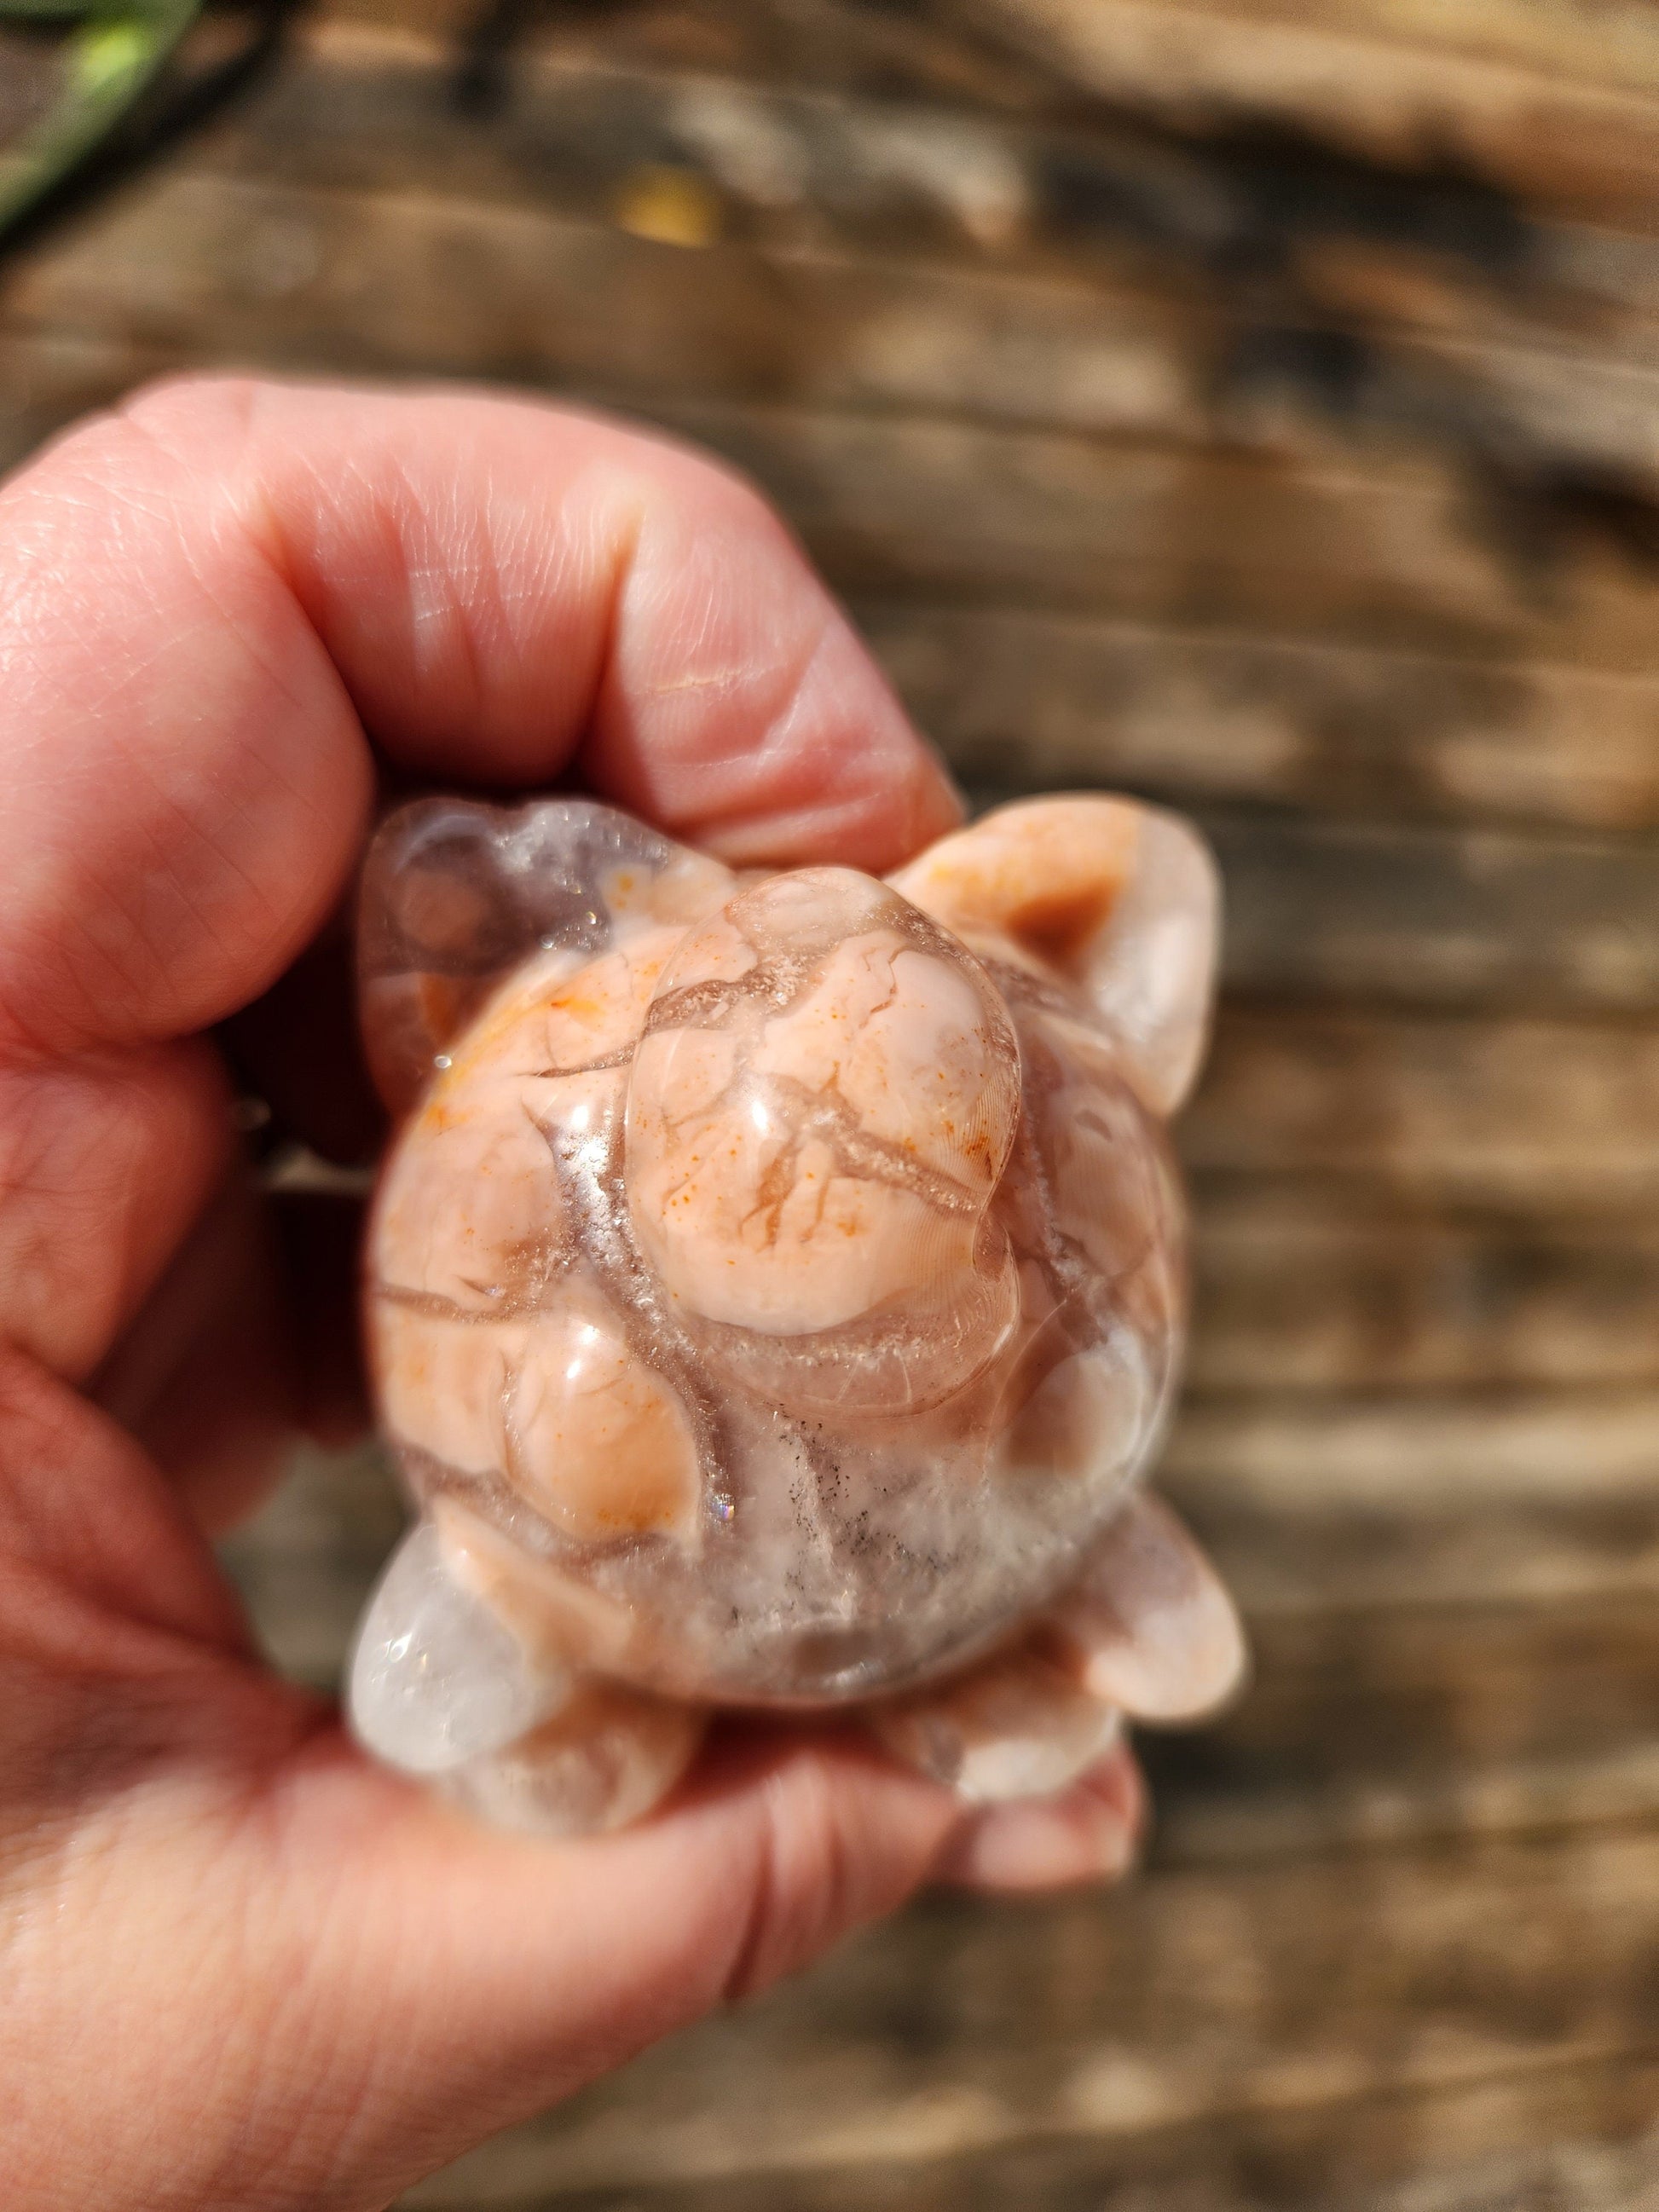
point(1249, 404)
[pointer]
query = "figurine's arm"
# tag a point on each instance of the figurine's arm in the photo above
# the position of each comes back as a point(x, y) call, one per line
point(1146, 1632)
point(473, 1669)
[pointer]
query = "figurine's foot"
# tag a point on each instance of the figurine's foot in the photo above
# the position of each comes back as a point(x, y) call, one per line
point(607, 1756)
point(460, 1675)
point(1019, 1726)
point(1148, 1630)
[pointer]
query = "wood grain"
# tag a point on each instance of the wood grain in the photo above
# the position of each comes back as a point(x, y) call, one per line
point(845, 46)
point(1611, 47)
point(1297, 1288)
point(813, 148)
point(1349, 1502)
point(1311, 1989)
point(1505, 2141)
point(1519, 1115)
point(1194, 715)
point(1370, 911)
point(1520, 122)
point(855, 324)
point(1252, 405)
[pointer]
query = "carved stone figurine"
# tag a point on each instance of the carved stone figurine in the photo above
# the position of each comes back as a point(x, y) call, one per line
point(776, 1290)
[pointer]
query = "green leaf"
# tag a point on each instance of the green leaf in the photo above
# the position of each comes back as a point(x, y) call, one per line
point(111, 62)
point(110, 56)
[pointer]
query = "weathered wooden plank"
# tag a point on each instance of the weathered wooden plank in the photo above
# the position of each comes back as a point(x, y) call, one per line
point(1300, 1289)
point(1210, 1811)
point(1610, 46)
point(1306, 1989)
point(1523, 2143)
point(800, 174)
point(1533, 1117)
point(947, 47)
point(578, 103)
point(834, 128)
point(1371, 1726)
point(464, 284)
point(842, 47)
point(365, 110)
point(1347, 1505)
point(1188, 715)
point(1365, 910)
point(865, 157)
point(1452, 1604)
point(1207, 220)
point(392, 277)
point(1530, 130)
point(1556, 438)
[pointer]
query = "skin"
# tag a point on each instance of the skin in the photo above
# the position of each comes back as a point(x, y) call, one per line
point(241, 1967)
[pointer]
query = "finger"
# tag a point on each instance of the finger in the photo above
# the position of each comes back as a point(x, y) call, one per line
point(211, 595)
point(104, 1157)
point(209, 1378)
point(778, 1849)
point(1090, 1832)
point(743, 714)
point(95, 1550)
point(360, 1983)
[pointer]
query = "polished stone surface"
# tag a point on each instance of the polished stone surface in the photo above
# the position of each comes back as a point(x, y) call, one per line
point(776, 1290)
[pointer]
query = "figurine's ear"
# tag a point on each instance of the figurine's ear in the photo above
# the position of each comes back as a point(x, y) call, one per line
point(456, 894)
point(1121, 899)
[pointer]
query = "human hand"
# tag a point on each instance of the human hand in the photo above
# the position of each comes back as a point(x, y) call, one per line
point(243, 1967)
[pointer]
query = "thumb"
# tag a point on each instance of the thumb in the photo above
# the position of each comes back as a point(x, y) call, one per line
point(454, 1979)
point(246, 1966)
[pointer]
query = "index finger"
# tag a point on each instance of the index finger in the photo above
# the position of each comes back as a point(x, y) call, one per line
point(213, 597)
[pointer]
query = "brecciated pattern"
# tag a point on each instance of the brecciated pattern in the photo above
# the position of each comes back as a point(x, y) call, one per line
point(777, 1283)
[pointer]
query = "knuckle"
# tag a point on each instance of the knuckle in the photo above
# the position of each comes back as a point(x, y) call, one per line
point(802, 1893)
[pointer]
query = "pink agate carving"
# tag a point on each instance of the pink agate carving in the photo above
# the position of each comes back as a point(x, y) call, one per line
point(774, 1291)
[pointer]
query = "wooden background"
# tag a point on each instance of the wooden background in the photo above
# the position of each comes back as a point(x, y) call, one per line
point(1254, 403)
